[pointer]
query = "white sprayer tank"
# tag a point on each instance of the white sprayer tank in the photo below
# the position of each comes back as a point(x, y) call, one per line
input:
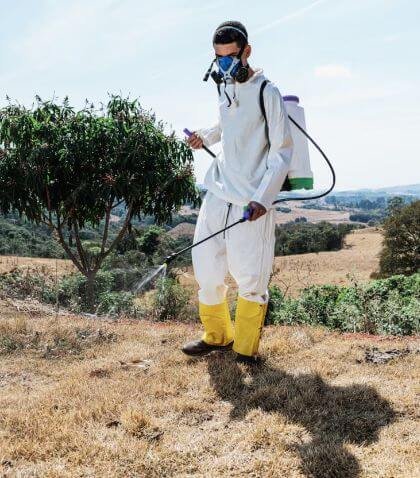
point(300, 174)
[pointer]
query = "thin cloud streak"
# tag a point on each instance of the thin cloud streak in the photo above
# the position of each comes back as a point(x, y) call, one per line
point(332, 71)
point(289, 16)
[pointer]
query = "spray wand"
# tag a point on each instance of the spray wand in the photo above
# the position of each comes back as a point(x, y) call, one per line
point(247, 213)
point(246, 216)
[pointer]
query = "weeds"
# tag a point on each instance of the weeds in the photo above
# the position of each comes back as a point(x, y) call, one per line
point(389, 307)
point(172, 301)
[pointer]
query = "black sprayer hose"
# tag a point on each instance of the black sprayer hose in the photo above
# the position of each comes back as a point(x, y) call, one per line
point(317, 196)
point(243, 219)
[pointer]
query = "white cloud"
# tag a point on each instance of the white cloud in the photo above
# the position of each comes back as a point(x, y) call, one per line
point(332, 71)
point(289, 16)
point(100, 32)
point(391, 38)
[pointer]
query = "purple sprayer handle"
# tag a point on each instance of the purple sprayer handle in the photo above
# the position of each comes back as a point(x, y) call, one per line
point(188, 132)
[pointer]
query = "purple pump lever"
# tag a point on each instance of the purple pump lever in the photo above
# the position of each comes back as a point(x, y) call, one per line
point(189, 134)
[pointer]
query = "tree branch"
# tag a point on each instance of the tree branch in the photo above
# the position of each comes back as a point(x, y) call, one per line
point(79, 247)
point(127, 220)
point(66, 247)
point(106, 226)
point(117, 204)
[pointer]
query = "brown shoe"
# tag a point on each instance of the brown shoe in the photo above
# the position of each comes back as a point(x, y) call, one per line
point(199, 347)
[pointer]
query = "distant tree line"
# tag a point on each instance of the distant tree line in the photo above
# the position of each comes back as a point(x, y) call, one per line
point(303, 237)
point(363, 203)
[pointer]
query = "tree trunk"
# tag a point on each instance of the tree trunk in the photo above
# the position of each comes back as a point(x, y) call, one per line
point(90, 291)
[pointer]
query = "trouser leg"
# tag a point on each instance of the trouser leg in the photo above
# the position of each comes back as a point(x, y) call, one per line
point(250, 252)
point(210, 269)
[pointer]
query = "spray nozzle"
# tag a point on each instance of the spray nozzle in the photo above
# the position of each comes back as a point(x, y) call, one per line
point(188, 132)
point(170, 258)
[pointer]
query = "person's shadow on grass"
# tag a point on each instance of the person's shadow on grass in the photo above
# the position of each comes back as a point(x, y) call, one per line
point(333, 415)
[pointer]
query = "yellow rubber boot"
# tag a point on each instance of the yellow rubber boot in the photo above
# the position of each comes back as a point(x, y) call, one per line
point(249, 321)
point(218, 329)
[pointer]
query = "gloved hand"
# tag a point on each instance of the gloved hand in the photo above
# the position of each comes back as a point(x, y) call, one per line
point(256, 210)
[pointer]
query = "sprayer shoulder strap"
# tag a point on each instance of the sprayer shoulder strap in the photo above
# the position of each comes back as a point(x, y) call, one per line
point(262, 106)
point(286, 185)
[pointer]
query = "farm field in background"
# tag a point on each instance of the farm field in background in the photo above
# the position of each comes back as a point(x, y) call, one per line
point(312, 215)
point(49, 266)
point(356, 261)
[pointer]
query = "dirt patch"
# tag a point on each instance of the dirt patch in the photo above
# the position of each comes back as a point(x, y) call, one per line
point(183, 229)
point(374, 355)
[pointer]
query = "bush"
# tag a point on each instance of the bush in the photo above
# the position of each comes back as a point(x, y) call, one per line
point(365, 217)
point(114, 303)
point(172, 301)
point(283, 209)
point(69, 292)
point(19, 284)
point(390, 306)
point(401, 252)
point(300, 238)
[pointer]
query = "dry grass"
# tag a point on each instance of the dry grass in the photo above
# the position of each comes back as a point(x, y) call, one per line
point(46, 266)
point(135, 406)
point(182, 229)
point(358, 259)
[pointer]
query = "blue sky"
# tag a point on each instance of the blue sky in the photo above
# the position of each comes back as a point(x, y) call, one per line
point(354, 64)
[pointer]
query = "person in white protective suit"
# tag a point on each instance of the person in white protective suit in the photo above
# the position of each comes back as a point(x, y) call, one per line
point(247, 174)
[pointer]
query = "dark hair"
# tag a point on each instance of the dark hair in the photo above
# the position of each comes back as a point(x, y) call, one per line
point(224, 34)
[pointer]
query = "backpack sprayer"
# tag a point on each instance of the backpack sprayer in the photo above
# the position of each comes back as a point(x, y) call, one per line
point(299, 176)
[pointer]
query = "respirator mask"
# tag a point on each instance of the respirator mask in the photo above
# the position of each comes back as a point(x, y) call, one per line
point(230, 68)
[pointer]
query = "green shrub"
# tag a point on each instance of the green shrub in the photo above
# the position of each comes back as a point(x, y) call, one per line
point(172, 301)
point(401, 251)
point(302, 237)
point(20, 284)
point(115, 303)
point(388, 306)
point(365, 217)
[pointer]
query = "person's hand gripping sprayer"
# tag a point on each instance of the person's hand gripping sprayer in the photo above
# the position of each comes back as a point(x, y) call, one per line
point(254, 210)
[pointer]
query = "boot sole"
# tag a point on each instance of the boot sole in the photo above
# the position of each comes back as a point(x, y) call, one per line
point(222, 348)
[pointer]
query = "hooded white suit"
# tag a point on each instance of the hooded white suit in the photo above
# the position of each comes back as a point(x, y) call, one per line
point(247, 169)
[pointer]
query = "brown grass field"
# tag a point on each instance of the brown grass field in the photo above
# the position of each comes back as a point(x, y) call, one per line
point(95, 398)
point(45, 265)
point(312, 215)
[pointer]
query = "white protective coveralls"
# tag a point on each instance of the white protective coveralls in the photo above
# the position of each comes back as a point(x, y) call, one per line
point(247, 169)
